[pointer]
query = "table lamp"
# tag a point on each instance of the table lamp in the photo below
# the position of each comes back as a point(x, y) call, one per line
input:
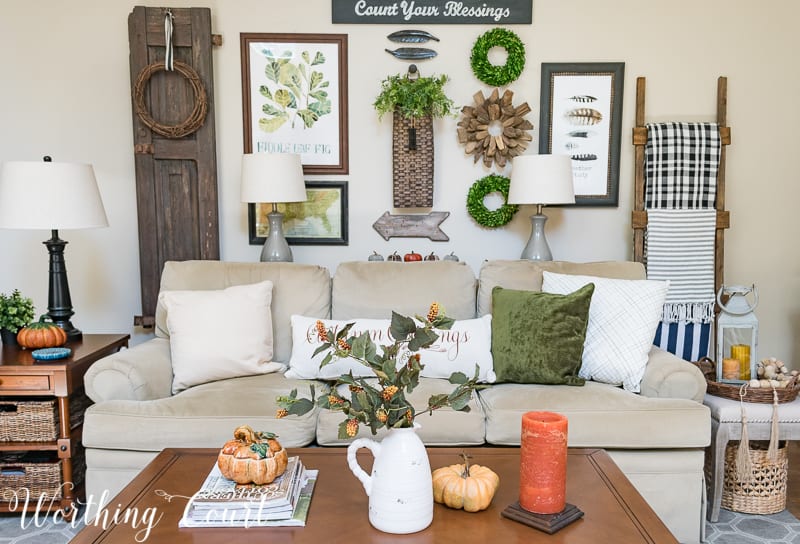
point(273, 177)
point(540, 180)
point(52, 195)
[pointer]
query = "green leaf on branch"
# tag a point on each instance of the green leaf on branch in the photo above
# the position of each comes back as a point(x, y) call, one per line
point(264, 91)
point(306, 57)
point(319, 58)
point(458, 378)
point(300, 407)
point(358, 347)
point(401, 326)
point(422, 339)
point(269, 109)
point(323, 107)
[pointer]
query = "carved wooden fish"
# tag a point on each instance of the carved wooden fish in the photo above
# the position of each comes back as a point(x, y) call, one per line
point(412, 36)
point(413, 53)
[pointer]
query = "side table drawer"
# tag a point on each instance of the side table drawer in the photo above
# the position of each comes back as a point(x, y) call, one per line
point(22, 383)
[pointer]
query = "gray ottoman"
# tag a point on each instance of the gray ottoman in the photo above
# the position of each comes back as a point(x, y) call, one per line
point(726, 425)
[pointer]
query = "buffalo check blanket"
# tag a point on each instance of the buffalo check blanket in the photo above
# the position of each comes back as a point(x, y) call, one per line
point(681, 165)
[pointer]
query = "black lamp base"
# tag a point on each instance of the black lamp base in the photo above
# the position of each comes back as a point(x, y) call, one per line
point(59, 303)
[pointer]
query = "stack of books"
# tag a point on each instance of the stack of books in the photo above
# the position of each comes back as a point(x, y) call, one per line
point(223, 503)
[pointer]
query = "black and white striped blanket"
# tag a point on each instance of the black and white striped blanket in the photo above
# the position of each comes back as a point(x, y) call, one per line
point(681, 165)
point(679, 247)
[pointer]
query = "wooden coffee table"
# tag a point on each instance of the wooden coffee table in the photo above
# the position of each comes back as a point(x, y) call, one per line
point(614, 510)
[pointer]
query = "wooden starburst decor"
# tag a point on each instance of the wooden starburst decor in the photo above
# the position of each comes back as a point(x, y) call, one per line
point(493, 129)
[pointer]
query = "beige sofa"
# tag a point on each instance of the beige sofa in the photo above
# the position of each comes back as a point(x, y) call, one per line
point(656, 437)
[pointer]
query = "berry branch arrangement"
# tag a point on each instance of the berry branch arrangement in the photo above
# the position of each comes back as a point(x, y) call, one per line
point(381, 401)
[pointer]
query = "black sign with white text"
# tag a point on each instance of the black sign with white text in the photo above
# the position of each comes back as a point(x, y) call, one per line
point(439, 12)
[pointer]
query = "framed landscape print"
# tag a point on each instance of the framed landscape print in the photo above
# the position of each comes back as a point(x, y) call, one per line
point(321, 220)
point(294, 97)
point(581, 116)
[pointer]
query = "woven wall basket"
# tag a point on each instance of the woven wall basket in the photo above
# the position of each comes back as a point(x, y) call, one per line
point(412, 168)
point(765, 492)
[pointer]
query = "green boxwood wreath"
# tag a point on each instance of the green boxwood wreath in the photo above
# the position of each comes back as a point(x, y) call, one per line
point(487, 72)
point(478, 210)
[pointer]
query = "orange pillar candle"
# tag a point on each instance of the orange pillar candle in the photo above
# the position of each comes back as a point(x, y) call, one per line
point(543, 463)
point(730, 369)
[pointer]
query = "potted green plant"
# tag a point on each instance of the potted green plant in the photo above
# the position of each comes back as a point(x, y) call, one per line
point(16, 311)
point(413, 102)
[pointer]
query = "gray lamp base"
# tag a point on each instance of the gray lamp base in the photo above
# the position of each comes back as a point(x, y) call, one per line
point(537, 248)
point(276, 248)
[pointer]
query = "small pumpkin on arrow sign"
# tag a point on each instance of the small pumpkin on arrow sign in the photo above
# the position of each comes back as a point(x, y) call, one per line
point(412, 226)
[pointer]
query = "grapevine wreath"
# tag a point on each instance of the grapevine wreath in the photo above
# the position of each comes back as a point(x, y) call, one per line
point(478, 210)
point(487, 72)
point(196, 117)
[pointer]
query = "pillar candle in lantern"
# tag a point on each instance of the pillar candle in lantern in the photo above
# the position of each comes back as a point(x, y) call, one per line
point(543, 463)
point(730, 369)
point(741, 352)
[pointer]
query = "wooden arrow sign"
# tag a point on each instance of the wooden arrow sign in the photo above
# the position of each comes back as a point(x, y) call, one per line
point(412, 226)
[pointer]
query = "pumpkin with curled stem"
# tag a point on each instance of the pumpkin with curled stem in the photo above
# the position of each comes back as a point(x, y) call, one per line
point(252, 457)
point(471, 487)
point(41, 334)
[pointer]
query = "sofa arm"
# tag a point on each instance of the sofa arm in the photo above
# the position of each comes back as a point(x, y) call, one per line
point(669, 376)
point(143, 372)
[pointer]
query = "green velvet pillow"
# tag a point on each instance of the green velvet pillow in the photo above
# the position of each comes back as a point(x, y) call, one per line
point(538, 337)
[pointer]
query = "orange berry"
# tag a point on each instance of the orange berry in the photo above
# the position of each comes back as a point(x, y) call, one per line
point(389, 392)
point(352, 427)
point(433, 312)
point(321, 332)
point(282, 412)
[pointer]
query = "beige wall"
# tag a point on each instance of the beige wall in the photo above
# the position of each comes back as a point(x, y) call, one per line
point(66, 92)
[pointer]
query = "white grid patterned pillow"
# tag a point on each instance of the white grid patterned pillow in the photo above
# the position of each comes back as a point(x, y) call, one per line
point(623, 317)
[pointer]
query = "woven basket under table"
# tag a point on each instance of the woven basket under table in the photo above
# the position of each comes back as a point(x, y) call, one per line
point(412, 169)
point(765, 493)
point(31, 473)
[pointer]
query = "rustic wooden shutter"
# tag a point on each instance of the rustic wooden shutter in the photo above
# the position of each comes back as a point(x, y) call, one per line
point(176, 178)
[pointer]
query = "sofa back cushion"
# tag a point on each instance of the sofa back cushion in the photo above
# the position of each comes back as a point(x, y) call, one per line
point(527, 275)
point(297, 288)
point(374, 289)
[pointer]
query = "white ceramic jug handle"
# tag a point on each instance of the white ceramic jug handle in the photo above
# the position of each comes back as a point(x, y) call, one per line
point(352, 462)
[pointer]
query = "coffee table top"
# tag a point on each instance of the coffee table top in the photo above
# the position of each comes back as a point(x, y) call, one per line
point(613, 509)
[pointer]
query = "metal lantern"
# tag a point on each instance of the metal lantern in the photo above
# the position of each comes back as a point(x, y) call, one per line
point(737, 334)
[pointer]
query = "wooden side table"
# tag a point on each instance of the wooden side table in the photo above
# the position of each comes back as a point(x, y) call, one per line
point(22, 376)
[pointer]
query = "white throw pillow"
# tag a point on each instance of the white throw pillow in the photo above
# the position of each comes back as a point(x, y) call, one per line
point(305, 341)
point(467, 344)
point(623, 317)
point(222, 334)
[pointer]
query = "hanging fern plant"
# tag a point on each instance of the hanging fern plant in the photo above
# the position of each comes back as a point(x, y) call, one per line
point(414, 98)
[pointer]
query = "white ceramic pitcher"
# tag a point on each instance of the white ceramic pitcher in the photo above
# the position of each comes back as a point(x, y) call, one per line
point(400, 488)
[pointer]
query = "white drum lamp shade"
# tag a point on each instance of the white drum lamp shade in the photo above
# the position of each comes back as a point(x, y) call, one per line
point(273, 178)
point(542, 180)
point(49, 195)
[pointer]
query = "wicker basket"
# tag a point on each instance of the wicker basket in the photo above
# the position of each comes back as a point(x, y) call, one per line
point(28, 420)
point(31, 419)
point(731, 391)
point(33, 473)
point(412, 167)
point(765, 493)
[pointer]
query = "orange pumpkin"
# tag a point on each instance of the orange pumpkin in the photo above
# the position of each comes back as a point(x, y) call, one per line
point(252, 457)
point(466, 486)
point(41, 334)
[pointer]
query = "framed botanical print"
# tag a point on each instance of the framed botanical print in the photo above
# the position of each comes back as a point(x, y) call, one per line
point(294, 98)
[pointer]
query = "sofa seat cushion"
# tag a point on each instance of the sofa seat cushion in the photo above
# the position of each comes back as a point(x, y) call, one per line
point(445, 427)
point(600, 416)
point(203, 416)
